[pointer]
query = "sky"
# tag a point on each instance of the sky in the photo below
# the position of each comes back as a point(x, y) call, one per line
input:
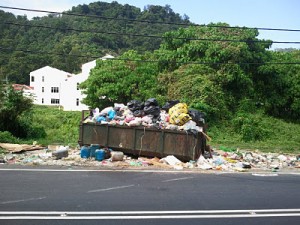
point(249, 13)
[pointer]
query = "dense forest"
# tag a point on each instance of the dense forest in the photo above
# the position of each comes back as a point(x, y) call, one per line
point(77, 36)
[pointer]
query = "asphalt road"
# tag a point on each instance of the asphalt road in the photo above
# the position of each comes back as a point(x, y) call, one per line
point(116, 197)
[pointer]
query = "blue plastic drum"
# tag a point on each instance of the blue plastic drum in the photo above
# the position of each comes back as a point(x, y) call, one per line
point(99, 154)
point(93, 148)
point(85, 152)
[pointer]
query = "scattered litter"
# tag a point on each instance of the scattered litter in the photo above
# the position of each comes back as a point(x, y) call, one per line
point(229, 161)
point(171, 160)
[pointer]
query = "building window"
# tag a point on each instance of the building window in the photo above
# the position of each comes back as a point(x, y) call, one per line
point(54, 89)
point(77, 101)
point(43, 78)
point(77, 86)
point(54, 101)
point(43, 89)
point(42, 101)
point(32, 78)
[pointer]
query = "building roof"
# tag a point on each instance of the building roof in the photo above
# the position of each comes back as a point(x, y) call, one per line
point(51, 68)
point(21, 87)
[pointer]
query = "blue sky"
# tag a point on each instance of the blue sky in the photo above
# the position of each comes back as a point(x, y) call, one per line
point(249, 13)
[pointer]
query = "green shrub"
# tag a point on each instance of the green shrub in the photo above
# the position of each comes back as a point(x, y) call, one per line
point(7, 137)
point(36, 132)
point(251, 127)
point(61, 127)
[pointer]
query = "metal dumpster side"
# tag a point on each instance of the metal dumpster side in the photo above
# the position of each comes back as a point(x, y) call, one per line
point(142, 141)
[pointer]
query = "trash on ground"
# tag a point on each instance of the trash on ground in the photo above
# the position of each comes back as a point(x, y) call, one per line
point(235, 161)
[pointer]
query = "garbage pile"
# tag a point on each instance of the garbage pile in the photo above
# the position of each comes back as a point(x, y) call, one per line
point(243, 160)
point(174, 115)
point(102, 158)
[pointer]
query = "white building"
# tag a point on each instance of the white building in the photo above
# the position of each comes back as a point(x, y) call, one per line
point(59, 88)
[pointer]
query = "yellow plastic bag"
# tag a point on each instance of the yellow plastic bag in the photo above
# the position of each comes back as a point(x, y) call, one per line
point(178, 108)
point(179, 118)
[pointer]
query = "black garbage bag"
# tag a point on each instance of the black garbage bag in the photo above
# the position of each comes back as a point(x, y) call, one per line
point(138, 113)
point(156, 119)
point(152, 107)
point(134, 105)
point(151, 102)
point(152, 110)
point(170, 104)
point(197, 116)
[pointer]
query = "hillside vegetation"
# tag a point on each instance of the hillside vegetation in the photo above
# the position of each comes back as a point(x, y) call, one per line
point(65, 42)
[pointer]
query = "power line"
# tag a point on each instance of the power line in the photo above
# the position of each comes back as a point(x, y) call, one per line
point(147, 21)
point(150, 36)
point(151, 61)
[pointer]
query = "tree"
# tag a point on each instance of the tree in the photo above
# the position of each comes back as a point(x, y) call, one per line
point(15, 114)
point(280, 88)
point(121, 80)
point(224, 71)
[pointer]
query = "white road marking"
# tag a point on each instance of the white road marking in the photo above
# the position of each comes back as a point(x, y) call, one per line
point(149, 212)
point(176, 179)
point(265, 174)
point(130, 215)
point(145, 217)
point(112, 188)
point(21, 200)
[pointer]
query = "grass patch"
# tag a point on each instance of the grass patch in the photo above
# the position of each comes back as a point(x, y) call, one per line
point(280, 136)
point(62, 127)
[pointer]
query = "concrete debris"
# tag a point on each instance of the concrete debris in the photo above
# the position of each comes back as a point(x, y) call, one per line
point(233, 161)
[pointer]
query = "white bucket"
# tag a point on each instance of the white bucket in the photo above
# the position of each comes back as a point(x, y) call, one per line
point(117, 156)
